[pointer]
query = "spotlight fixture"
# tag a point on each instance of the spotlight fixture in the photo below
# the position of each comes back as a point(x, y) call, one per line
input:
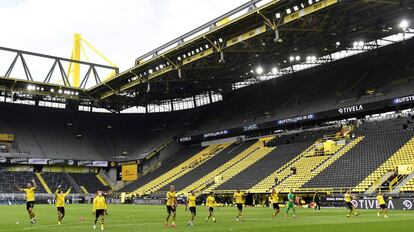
point(259, 70)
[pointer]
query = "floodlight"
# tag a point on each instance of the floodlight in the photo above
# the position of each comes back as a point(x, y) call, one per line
point(259, 70)
point(404, 24)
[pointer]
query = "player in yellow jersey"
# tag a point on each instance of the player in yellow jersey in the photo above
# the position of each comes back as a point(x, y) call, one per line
point(238, 198)
point(383, 205)
point(171, 206)
point(348, 202)
point(99, 209)
point(211, 203)
point(274, 197)
point(60, 202)
point(191, 203)
point(30, 190)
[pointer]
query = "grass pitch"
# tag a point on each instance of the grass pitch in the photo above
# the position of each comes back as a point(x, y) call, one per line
point(125, 218)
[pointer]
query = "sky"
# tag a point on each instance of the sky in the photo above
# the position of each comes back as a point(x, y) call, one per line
point(121, 29)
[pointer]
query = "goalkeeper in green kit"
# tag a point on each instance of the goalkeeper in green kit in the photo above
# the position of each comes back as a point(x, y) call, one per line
point(291, 203)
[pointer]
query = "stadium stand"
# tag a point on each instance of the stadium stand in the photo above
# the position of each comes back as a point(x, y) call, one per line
point(403, 156)
point(180, 170)
point(8, 180)
point(103, 136)
point(54, 179)
point(88, 182)
point(56, 133)
point(409, 186)
point(259, 151)
point(366, 156)
point(316, 92)
point(267, 183)
point(264, 167)
point(214, 170)
point(208, 166)
point(166, 166)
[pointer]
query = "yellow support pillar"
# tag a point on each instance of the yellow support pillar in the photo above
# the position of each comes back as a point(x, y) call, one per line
point(84, 190)
point(76, 56)
point(43, 182)
point(102, 180)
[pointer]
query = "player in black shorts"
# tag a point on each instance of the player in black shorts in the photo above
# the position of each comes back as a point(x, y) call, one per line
point(348, 203)
point(317, 201)
point(211, 203)
point(30, 190)
point(171, 207)
point(191, 202)
point(383, 205)
point(274, 197)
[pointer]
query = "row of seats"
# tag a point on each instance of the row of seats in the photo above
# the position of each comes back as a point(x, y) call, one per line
point(180, 170)
point(44, 132)
point(267, 183)
point(213, 177)
point(409, 186)
point(249, 160)
point(8, 180)
point(88, 181)
point(264, 167)
point(54, 179)
point(403, 156)
point(209, 166)
point(175, 160)
point(369, 154)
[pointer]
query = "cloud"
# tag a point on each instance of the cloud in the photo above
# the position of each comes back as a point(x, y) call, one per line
point(122, 30)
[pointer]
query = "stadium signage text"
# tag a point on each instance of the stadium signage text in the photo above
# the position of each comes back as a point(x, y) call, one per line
point(351, 109)
point(22, 160)
point(214, 134)
point(296, 119)
point(18, 160)
point(371, 203)
point(127, 162)
point(250, 127)
point(54, 162)
point(400, 100)
point(38, 161)
point(185, 139)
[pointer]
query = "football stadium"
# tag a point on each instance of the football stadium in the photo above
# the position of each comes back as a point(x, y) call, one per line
point(279, 115)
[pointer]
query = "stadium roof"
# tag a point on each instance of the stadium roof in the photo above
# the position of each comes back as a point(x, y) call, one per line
point(228, 49)
point(260, 33)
